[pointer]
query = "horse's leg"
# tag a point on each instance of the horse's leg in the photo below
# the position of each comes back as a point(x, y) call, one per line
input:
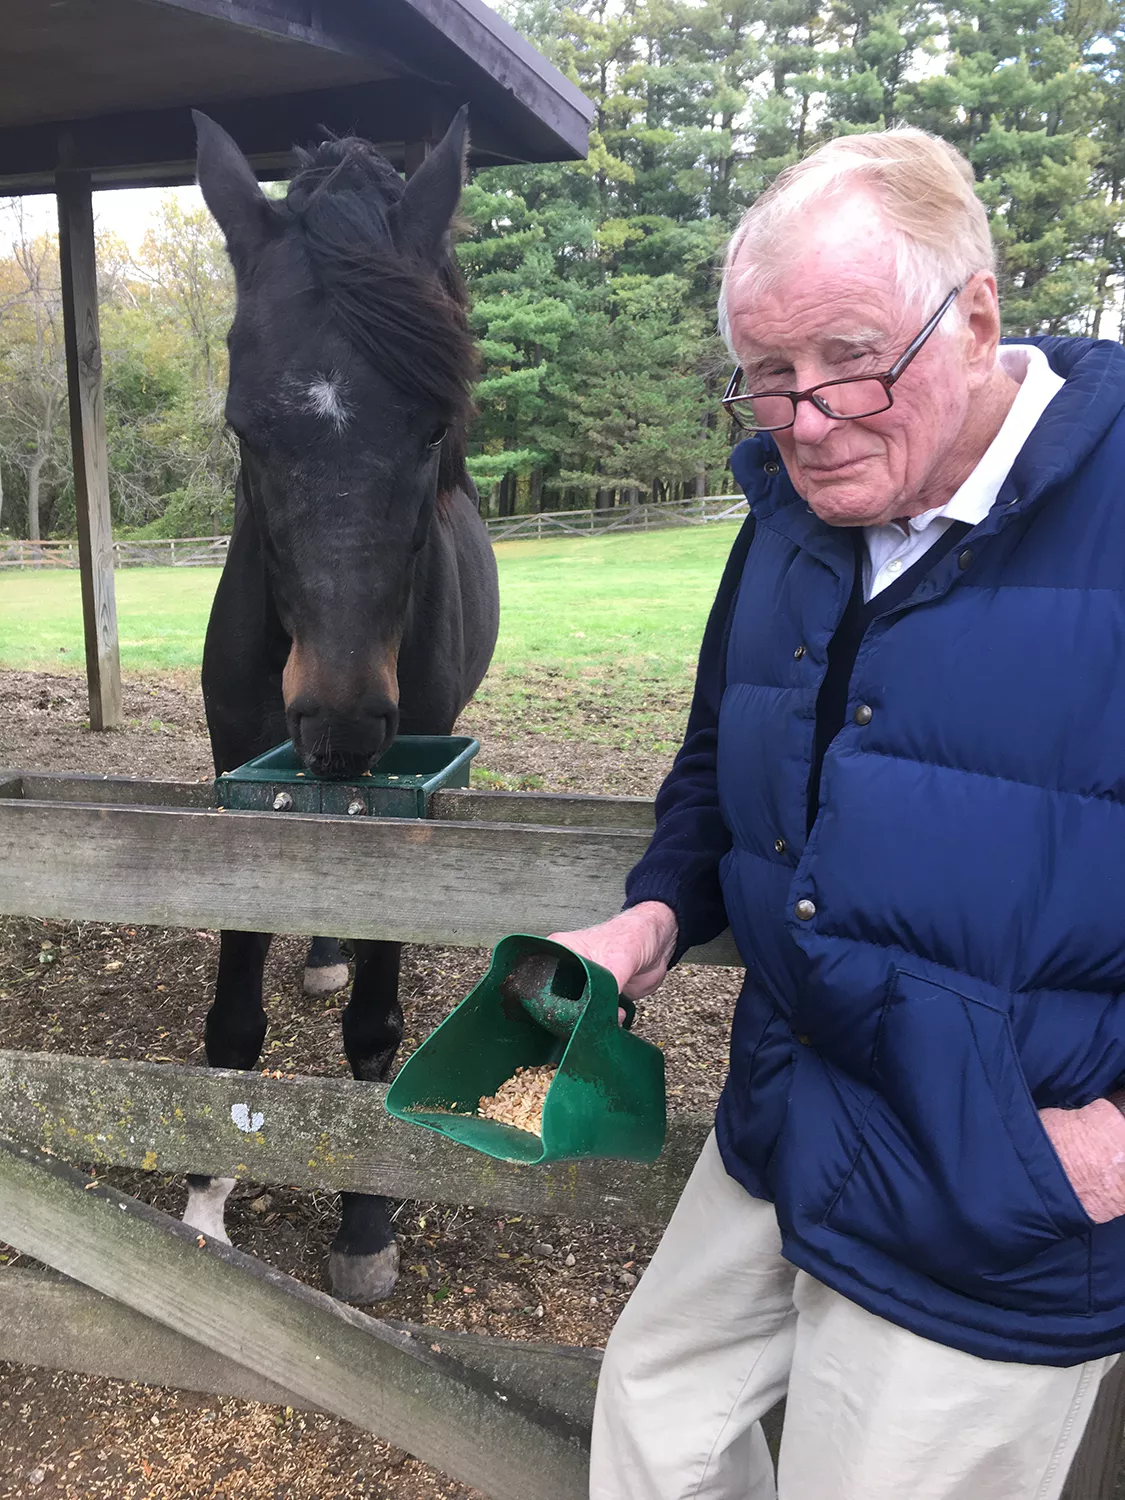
point(326, 967)
point(236, 1028)
point(363, 1265)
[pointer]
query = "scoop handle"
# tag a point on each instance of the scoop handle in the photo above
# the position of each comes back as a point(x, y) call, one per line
point(540, 983)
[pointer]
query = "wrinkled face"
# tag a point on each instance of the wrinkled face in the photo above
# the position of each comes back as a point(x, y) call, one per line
point(341, 472)
point(835, 313)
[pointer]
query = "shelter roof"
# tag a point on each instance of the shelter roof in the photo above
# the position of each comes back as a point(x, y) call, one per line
point(106, 86)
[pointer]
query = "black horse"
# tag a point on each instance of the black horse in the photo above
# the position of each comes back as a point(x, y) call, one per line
point(359, 595)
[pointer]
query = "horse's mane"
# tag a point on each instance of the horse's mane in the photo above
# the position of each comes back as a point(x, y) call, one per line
point(405, 316)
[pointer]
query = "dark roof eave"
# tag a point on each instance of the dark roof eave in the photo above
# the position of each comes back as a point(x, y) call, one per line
point(479, 38)
point(157, 147)
point(443, 52)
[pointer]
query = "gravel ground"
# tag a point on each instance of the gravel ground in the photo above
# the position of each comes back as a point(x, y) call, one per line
point(143, 992)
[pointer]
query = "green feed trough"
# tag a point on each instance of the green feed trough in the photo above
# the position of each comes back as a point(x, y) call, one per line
point(539, 1004)
point(406, 777)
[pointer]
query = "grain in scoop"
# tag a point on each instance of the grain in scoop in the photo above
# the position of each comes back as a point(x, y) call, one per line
point(520, 1099)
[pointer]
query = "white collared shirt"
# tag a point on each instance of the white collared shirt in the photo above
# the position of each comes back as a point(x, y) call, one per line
point(891, 549)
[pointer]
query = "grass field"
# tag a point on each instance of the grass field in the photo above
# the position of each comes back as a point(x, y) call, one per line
point(630, 606)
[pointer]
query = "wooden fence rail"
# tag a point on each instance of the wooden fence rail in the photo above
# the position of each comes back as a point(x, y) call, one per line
point(330, 1133)
point(646, 516)
point(178, 552)
point(417, 1396)
point(48, 1320)
point(436, 880)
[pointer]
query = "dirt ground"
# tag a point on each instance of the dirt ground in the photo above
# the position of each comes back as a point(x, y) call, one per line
point(143, 993)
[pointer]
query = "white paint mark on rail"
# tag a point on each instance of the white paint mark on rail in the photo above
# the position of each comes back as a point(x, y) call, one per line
point(247, 1123)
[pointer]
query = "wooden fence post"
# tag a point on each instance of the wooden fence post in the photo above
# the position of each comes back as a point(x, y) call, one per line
point(88, 445)
point(1094, 1472)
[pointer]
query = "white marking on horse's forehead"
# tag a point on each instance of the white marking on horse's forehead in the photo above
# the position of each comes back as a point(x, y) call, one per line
point(324, 398)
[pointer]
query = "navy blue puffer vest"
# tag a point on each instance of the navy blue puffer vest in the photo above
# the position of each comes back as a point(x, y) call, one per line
point(944, 954)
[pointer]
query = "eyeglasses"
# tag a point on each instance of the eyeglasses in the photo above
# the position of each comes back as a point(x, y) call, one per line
point(854, 396)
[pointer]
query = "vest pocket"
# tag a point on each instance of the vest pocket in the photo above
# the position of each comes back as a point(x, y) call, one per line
point(954, 1175)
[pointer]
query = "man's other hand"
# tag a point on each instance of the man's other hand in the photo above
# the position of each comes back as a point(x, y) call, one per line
point(636, 946)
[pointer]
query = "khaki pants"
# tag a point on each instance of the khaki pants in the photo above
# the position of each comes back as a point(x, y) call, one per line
point(721, 1328)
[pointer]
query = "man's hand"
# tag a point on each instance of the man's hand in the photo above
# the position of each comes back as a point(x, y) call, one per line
point(1090, 1143)
point(635, 946)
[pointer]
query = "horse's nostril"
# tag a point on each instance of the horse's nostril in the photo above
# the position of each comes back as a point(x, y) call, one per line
point(337, 743)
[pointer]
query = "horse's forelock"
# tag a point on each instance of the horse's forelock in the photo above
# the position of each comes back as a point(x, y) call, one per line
point(407, 318)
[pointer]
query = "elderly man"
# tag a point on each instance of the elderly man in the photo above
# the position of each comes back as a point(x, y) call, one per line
point(902, 784)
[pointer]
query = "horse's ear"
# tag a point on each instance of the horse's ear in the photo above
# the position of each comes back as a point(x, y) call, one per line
point(230, 190)
point(430, 200)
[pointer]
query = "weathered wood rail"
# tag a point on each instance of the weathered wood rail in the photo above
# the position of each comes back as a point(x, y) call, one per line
point(330, 1133)
point(413, 1394)
point(161, 853)
point(146, 1300)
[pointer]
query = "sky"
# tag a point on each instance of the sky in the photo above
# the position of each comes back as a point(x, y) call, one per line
point(125, 211)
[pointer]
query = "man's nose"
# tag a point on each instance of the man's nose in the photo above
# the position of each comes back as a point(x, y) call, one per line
point(810, 425)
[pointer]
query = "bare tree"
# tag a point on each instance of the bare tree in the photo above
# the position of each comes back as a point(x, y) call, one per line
point(32, 358)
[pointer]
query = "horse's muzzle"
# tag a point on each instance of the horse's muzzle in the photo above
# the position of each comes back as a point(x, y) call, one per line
point(341, 717)
point(341, 743)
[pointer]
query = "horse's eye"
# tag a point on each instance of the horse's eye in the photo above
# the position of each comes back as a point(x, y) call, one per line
point(437, 438)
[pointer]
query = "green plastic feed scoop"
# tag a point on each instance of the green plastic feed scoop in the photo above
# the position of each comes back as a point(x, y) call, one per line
point(539, 1004)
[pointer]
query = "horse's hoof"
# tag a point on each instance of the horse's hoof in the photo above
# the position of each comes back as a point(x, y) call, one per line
point(325, 980)
point(363, 1278)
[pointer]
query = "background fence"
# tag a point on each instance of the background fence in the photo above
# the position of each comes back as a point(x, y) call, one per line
point(210, 551)
point(182, 552)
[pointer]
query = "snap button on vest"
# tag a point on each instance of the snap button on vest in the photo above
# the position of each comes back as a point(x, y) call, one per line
point(772, 468)
point(964, 559)
point(779, 846)
point(800, 651)
point(863, 714)
point(805, 910)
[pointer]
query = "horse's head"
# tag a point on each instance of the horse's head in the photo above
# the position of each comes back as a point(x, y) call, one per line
point(350, 370)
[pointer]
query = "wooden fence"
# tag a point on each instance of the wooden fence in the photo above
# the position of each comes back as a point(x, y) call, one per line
point(641, 517)
point(211, 551)
point(142, 1297)
point(181, 552)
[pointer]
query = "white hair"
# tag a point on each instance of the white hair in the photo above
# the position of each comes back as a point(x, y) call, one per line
point(324, 398)
point(924, 189)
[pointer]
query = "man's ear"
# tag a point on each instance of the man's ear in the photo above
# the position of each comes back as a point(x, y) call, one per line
point(982, 330)
point(430, 200)
point(230, 190)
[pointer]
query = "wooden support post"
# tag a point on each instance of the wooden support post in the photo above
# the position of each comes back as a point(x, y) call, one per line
point(88, 445)
point(413, 1395)
point(1094, 1472)
point(414, 155)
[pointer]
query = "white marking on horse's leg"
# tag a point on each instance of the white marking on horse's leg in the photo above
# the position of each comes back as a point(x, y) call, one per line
point(325, 979)
point(205, 1207)
point(323, 399)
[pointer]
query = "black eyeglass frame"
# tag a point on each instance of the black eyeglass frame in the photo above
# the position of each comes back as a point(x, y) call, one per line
point(731, 399)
